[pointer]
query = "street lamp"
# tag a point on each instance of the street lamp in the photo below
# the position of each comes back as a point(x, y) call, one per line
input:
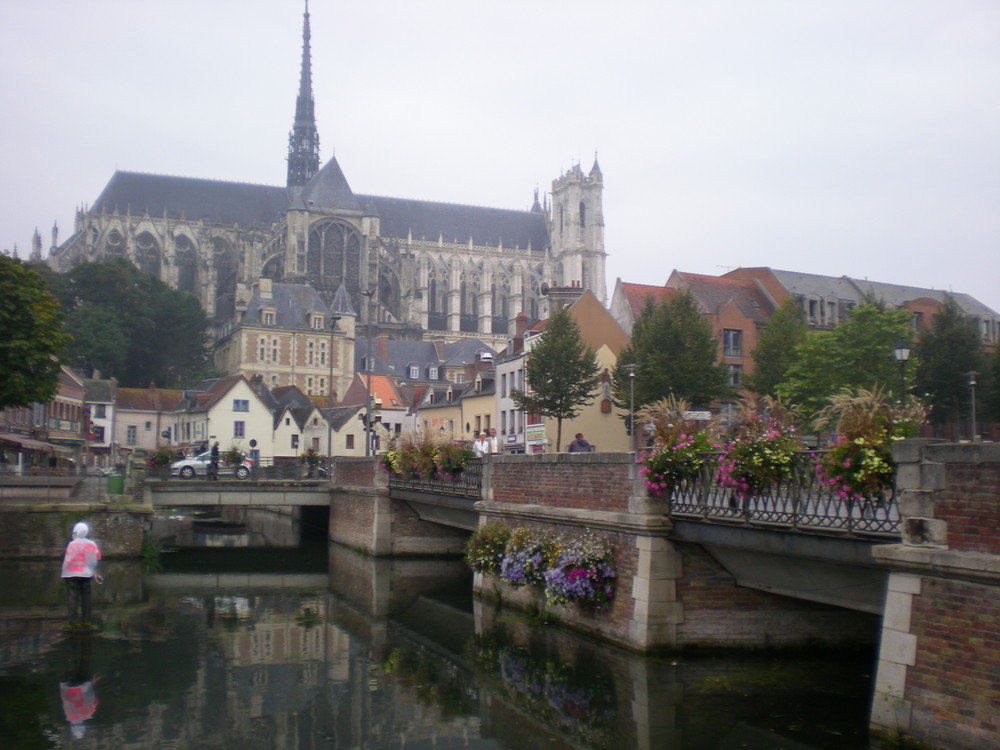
point(631, 405)
point(972, 405)
point(902, 353)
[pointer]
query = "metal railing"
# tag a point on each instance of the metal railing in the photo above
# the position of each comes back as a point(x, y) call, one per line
point(801, 502)
point(468, 484)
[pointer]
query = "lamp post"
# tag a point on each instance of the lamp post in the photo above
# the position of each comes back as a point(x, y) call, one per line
point(972, 405)
point(329, 392)
point(901, 352)
point(368, 376)
point(631, 405)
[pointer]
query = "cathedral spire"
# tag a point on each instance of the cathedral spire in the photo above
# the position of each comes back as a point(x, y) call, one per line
point(303, 142)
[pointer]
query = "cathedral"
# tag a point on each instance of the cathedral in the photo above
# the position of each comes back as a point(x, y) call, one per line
point(410, 268)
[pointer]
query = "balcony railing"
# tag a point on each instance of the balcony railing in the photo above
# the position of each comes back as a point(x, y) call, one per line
point(800, 503)
point(468, 484)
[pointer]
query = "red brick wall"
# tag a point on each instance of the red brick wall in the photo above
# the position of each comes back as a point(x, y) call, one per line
point(970, 505)
point(717, 612)
point(956, 675)
point(589, 481)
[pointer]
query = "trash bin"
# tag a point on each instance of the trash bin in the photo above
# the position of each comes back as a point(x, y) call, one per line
point(116, 484)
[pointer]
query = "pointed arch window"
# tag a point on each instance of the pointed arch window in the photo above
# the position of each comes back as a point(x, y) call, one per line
point(583, 214)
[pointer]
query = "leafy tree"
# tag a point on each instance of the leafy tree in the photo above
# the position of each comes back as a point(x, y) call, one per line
point(31, 337)
point(991, 392)
point(675, 353)
point(562, 372)
point(947, 353)
point(132, 326)
point(775, 350)
point(856, 354)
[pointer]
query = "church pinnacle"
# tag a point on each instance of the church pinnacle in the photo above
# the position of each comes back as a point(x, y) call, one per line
point(303, 142)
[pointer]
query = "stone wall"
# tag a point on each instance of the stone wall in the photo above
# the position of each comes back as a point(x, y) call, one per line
point(364, 517)
point(31, 531)
point(938, 676)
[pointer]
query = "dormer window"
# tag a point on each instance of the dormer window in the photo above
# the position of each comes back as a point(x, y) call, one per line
point(450, 396)
point(268, 316)
point(414, 372)
point(430, 397)
point(479, 385)
point(432, 373)
point(316, 322)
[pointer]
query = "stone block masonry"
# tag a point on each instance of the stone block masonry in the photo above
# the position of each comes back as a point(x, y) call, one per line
point(938, 676)
point(32, 531)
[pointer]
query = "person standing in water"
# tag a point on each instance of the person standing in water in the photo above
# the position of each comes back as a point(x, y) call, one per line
point(78, 569)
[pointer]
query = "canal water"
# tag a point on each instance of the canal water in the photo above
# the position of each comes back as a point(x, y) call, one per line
point(313, 646)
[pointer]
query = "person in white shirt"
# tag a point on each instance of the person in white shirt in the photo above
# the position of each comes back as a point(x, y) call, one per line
point(482, 445)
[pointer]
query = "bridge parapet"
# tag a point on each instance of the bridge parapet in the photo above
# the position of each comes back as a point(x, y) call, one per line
point(938, 668)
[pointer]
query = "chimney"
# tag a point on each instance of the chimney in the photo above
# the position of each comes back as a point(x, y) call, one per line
point(520, 325)
point(264, 287)
point(382, 346)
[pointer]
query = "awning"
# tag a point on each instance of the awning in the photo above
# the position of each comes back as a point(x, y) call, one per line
point(34, 445)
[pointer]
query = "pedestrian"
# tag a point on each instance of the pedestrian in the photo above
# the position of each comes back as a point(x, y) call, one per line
point(494, 443)
point(579, 445)
point(481, 446)
point(78, 568)
point(213, 464)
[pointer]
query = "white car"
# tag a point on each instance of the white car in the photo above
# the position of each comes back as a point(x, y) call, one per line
point(198, 466)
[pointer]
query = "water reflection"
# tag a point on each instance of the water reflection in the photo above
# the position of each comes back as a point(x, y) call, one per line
point(304, 648)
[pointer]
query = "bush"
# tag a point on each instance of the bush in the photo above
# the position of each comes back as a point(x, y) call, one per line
point(427, 457)
point(860, 464)
point(568, 570)
point(762, 450)
point(666, 466)
point(485, 548)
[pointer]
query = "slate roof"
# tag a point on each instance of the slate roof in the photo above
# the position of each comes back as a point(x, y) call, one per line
point(247, 204)
point(99, 391)
point(893, 295)
point(338, 416)
point(191, 198)
point(292, 303)
point(421, 353)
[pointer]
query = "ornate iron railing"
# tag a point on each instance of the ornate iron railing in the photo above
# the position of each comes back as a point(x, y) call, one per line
point(800, 503)
point(468, 484)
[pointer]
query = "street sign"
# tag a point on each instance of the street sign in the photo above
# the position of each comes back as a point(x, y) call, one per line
point(698, 416)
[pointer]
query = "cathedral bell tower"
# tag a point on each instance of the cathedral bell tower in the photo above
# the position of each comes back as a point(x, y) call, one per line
point(303, 142)
point(576, 228)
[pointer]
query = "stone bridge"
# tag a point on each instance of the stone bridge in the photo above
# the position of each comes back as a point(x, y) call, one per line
point(918, 575)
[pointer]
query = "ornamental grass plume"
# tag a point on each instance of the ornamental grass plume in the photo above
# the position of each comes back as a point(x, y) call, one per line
point(669, 424)
point(761, 449)
point(860, 463)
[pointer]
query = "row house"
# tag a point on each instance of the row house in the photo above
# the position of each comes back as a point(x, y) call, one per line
point(827, 300)
point(40, 434)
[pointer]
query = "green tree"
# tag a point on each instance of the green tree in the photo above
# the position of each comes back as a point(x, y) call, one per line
point(561, 371)
point(947, 353)
point(132, 326)
point(31, 337)
point(775, 350)
point(675, 353)
point(856, 354)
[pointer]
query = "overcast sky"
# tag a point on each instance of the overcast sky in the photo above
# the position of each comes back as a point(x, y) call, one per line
point(847, 137)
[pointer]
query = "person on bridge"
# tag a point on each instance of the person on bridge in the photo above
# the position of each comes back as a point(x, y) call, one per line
point(78, 568)
point(579, 445)
point(493, 441)
point(213, 464)
point(482, 445)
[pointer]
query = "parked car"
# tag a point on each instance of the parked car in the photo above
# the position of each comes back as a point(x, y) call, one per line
point(198, 466)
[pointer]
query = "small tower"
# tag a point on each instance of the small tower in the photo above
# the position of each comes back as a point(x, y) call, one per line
point(576, 227)
point(303, 142)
